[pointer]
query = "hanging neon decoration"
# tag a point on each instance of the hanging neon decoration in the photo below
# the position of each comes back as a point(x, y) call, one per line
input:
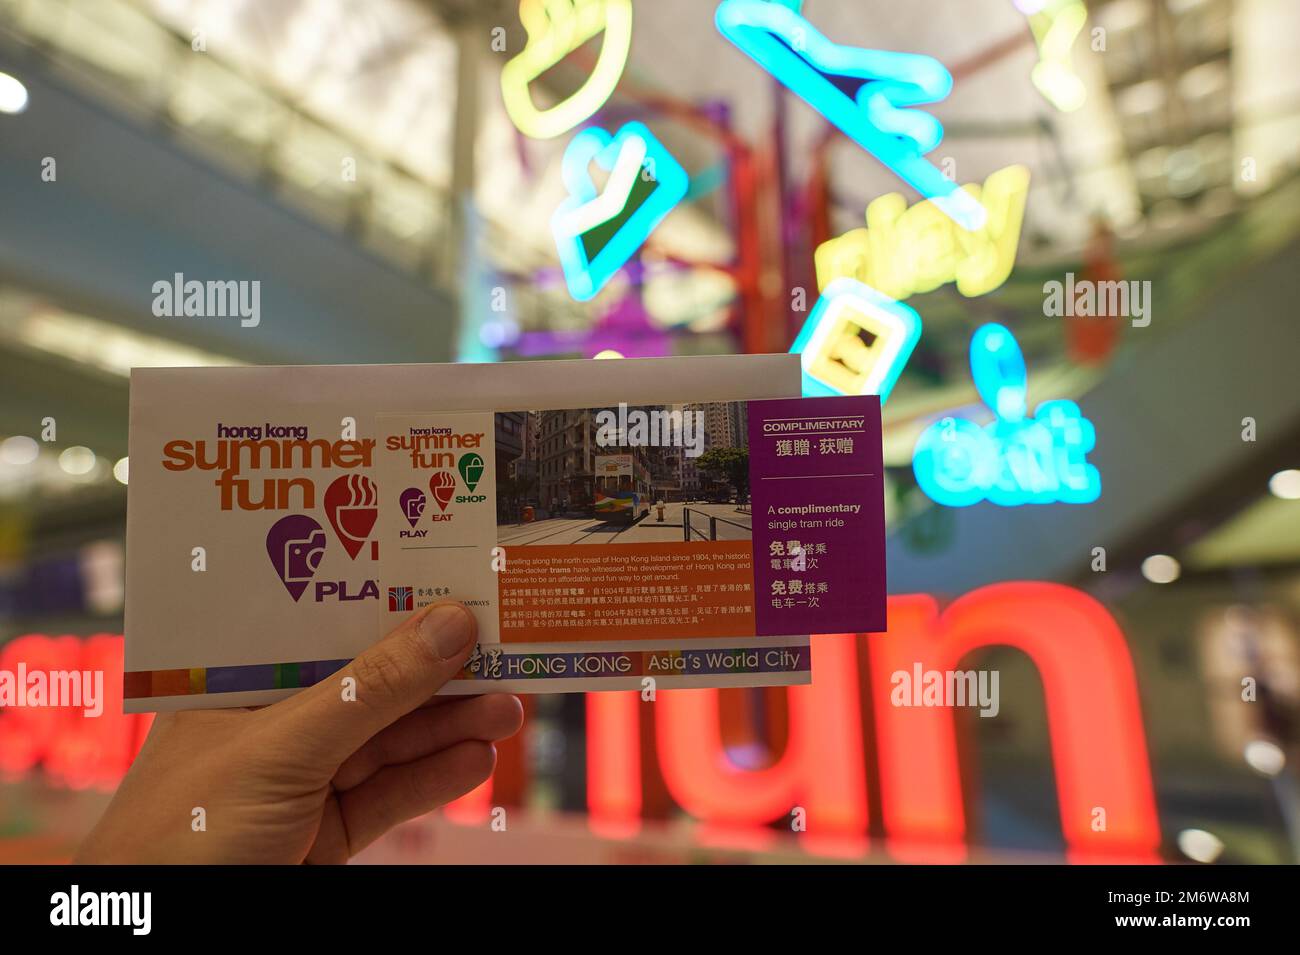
point(1055, 25)
point(1017, 459)
point(555, 29)
point(597, 232)
point(905, 251)
point(855, 342)
point(863, 92)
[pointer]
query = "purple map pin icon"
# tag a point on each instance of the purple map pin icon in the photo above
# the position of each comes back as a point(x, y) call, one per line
point(295, 544)
point(412, 502)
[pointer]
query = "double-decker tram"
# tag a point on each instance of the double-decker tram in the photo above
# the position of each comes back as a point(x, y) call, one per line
point(623, 488)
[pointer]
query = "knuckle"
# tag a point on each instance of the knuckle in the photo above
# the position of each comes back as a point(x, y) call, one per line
point(472, 765)
point(379, 678)
point(480, 760)
point(425, 789)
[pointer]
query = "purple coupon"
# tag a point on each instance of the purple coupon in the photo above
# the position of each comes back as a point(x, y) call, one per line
point(817, 495)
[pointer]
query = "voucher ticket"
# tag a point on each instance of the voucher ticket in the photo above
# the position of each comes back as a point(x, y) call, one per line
point(281, 520)
point(600, 544)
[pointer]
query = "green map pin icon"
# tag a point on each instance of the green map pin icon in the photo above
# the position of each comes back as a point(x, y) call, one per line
point(471, 469)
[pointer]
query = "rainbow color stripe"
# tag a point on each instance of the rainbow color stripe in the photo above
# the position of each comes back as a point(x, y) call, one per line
point(146, 684)
point(141, 684)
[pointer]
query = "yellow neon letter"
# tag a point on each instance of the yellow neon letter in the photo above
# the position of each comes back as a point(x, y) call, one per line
point(926, 253)
point(903, 250)
point(1054, 74)
point(844, 256)
point(988, 261)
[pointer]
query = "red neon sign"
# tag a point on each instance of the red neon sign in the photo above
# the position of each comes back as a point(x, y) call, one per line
point(1095, 724)
point(73, 749)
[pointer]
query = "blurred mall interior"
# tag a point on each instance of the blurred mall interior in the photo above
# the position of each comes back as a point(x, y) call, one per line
point(364, 161)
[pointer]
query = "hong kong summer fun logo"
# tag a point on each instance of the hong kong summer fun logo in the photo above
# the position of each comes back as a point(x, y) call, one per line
point(260, 467)
point(268, 466)
point(442, 453)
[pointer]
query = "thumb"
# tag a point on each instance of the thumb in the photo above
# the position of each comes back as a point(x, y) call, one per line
point(391, 679)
